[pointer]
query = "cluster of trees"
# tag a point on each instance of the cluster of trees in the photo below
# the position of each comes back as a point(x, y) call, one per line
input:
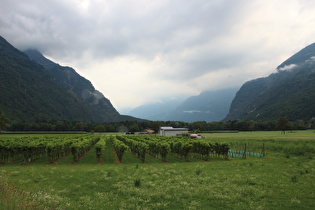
point(134, 126)
point(3, 121)
point(62, 125)
point(249, 125)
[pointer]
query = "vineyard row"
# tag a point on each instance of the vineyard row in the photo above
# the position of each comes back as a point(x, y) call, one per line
point(160, 147)
point(29, 149)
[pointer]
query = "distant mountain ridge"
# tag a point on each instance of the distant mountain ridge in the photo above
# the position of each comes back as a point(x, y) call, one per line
point(207, 106)
point(290, 92)
point(43, 90)
point(156, 111)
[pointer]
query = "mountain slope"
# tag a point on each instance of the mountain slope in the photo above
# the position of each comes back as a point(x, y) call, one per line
point(29, 93)
point(290, 92)
point(300, 57)
point(101, 108)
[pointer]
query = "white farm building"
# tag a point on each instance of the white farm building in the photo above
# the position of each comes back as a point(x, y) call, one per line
point(170, 131)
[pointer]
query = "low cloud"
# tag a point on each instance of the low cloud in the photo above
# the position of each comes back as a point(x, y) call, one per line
point(312, 59)
point(288, 67)
point(191, 111)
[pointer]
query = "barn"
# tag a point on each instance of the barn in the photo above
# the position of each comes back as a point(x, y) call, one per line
point(170, 131)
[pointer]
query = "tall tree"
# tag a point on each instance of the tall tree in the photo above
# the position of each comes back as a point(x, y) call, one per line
point(155, 125)
point(3, 121)
point(283, 124)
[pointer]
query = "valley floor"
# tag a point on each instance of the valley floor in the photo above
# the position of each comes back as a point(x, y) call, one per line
point(283, 179)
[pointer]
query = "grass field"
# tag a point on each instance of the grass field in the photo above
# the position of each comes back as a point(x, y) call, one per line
point(283, 179)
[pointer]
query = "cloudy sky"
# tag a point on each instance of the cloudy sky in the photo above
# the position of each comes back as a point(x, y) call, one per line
point(141, 51)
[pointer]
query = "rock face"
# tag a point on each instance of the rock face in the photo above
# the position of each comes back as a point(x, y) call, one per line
point(290, 92)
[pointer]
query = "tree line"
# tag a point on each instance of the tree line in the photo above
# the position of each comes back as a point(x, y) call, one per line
point(138, 126)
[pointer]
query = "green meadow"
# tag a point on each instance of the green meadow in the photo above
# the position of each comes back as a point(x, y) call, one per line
point(283, 179)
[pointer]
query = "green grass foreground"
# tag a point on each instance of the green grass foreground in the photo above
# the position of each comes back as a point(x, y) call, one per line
point(284, 179)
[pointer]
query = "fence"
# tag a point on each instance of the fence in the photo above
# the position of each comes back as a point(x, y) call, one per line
point(243, 153)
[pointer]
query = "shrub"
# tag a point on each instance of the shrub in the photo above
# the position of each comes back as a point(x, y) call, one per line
point(294, 179)
point(137, 182)
point(198, 172)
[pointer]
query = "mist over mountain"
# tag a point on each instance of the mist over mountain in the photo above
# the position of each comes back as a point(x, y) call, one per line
point(303, 57)
point(207, 106)
point(290, 92)
point(156, 111)
point(39, 89)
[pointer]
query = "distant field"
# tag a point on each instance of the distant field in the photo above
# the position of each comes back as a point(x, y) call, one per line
point(283, 179)
point(264, 135)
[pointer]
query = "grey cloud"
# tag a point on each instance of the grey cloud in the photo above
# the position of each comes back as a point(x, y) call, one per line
point(191, 38)
point(288, 67)
point(114, 29)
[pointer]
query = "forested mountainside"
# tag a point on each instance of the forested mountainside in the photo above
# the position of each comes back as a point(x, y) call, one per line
point(44, 90)
point(290, 92)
